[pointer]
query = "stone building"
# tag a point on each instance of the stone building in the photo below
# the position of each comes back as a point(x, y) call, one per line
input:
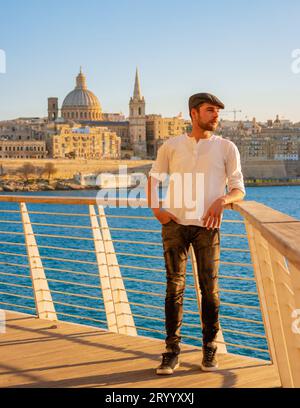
point(113, 117)
point(140, 134)
point(77, 142)
point(82, 106)
point(121, 128)
point(23, 129)
point(158, 129)
point(270, 141)
point(23, 149)
point(52, 108)
point(284, 142)
point(23, 139)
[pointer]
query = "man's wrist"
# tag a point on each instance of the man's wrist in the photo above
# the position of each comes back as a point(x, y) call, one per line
point(224, 200)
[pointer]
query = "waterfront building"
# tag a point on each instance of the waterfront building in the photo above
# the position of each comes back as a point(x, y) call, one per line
point(23, 139)
point(23, 149)
point(275, 140)
point(78, 142)
point(82, 106)
point(121, 128)
point(284, 142)
point(158, 129)
point(23, 129)
point(105, 180)
point(140, 134)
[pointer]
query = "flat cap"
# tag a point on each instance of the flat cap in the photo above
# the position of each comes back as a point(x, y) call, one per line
point(203, 97)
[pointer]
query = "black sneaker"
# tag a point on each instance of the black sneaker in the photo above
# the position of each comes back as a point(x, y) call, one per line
point(209, 361)
point(169, 363)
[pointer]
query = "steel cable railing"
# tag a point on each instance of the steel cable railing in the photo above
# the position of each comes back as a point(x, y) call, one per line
point(141, 290)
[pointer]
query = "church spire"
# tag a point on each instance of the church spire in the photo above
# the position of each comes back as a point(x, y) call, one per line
point(137, 120)
point(137, 89)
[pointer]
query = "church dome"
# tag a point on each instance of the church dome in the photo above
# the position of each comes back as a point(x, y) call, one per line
point(81, 103)
point(80, 98)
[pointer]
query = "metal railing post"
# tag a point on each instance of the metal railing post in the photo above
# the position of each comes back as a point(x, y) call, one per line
point(42, 295)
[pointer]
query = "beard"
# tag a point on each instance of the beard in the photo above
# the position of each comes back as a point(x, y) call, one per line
point(210, 126)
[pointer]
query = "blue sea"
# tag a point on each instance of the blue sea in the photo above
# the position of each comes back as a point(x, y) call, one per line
point(77, 268)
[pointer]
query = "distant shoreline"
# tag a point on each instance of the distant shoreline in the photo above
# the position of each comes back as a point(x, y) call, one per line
point(11, 186)
point(272, 184)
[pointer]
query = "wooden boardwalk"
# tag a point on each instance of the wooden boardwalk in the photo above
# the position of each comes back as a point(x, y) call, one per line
point(37, 353)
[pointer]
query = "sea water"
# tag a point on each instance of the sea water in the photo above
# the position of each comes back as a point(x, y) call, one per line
point(81, 268)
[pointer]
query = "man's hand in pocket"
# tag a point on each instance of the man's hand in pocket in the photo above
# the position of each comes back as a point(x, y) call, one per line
point(164, 216)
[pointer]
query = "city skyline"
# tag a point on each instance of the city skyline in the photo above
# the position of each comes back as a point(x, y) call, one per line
point(246, 59)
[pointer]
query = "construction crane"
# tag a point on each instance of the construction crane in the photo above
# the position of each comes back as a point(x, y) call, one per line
point(234, 111)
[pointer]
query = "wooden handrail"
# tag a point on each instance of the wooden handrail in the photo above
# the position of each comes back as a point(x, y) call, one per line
point(279, 229)
point(70, 200)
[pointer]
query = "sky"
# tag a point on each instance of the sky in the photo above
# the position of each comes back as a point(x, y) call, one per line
point(239, 50)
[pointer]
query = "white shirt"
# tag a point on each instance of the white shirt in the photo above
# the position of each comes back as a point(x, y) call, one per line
point(199, 172)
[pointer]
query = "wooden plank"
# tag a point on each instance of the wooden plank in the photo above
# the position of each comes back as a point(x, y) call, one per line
point(72, 355)
point(273, 310)
point(287, 305)
point(258, 213)
point(285, 238)
point(252, 242)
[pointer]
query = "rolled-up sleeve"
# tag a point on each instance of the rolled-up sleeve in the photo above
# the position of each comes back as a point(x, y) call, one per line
point(160, 167)
point(234, 173)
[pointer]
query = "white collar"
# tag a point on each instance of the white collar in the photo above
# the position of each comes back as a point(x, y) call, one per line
point(193, 140)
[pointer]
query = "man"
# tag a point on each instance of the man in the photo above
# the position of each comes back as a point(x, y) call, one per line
point(192, 160)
